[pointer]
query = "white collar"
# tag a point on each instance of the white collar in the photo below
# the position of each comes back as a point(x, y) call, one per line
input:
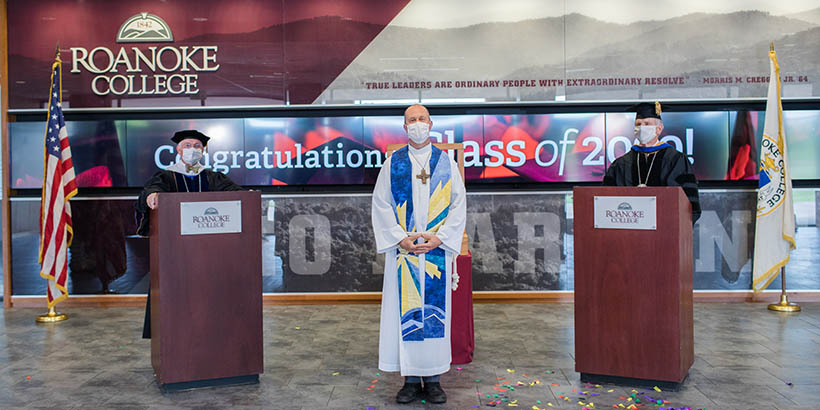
point(421, 151)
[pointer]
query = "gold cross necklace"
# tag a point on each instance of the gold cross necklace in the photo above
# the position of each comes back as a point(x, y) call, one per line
point(423, 175)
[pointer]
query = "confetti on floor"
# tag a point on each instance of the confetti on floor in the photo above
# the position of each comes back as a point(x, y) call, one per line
point(373, 385)
point(585, 396)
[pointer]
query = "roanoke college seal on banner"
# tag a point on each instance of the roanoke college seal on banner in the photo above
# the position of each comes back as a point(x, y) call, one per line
point(144, 28)
point(772, 177)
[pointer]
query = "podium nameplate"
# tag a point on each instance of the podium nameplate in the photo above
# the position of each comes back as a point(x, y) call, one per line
point(625, 212)
point(212, 217)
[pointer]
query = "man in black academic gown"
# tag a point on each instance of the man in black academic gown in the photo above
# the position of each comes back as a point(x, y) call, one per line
point(654, 163)
point(187, 175)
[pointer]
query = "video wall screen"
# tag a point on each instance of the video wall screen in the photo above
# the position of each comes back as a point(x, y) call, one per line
point(499, 148)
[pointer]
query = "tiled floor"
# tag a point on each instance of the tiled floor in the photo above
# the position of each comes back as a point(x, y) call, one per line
point(321, 357)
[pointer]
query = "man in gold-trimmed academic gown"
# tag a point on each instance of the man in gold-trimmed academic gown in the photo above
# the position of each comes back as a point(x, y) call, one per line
point(652, 162)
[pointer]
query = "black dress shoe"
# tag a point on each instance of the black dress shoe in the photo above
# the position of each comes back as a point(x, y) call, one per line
point(435, 394)
point(409, 393)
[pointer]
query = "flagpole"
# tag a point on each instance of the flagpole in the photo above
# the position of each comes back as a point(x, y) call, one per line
point(775, 224)
point(784, 305)
point(52, 316)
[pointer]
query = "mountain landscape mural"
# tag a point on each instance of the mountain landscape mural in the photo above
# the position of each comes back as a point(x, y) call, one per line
point(699, 49)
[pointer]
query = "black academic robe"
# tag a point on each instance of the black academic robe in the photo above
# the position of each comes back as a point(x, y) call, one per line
point(670, 168)
point(170, 181)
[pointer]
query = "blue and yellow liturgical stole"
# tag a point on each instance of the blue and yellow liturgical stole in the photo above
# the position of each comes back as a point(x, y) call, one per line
point(421, 319)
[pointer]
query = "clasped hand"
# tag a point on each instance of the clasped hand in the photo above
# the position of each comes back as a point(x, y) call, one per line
point(431, 241)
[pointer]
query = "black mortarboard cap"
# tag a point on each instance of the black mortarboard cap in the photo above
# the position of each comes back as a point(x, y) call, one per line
point(646, 110)
point(181, 135)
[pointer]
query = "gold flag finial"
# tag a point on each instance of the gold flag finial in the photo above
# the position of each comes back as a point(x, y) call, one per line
point(658, 107)
point(771, 46)
point(58, 51)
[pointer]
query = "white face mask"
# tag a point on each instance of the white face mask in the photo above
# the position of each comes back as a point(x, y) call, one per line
point(418, 132)
point(191, 155)
point(646, 133)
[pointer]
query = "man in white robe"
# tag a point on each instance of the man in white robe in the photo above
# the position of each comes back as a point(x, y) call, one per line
point(419, 215)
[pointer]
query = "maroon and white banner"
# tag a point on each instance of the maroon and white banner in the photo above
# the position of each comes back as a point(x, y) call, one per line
point(252, 52)
point(188, 52)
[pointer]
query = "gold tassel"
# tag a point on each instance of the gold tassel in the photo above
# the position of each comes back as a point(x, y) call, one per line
point(657, 107)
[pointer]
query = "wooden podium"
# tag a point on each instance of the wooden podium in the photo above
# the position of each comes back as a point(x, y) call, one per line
point(206, 290)
point(633, 289)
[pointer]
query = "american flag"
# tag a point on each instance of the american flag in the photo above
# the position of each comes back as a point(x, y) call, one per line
point(58, 187)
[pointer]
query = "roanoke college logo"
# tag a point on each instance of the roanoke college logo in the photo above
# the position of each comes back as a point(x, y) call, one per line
point(210, 219)
point(149, 69)
point(144, 28)
point(772, 177)
point(624, 214)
